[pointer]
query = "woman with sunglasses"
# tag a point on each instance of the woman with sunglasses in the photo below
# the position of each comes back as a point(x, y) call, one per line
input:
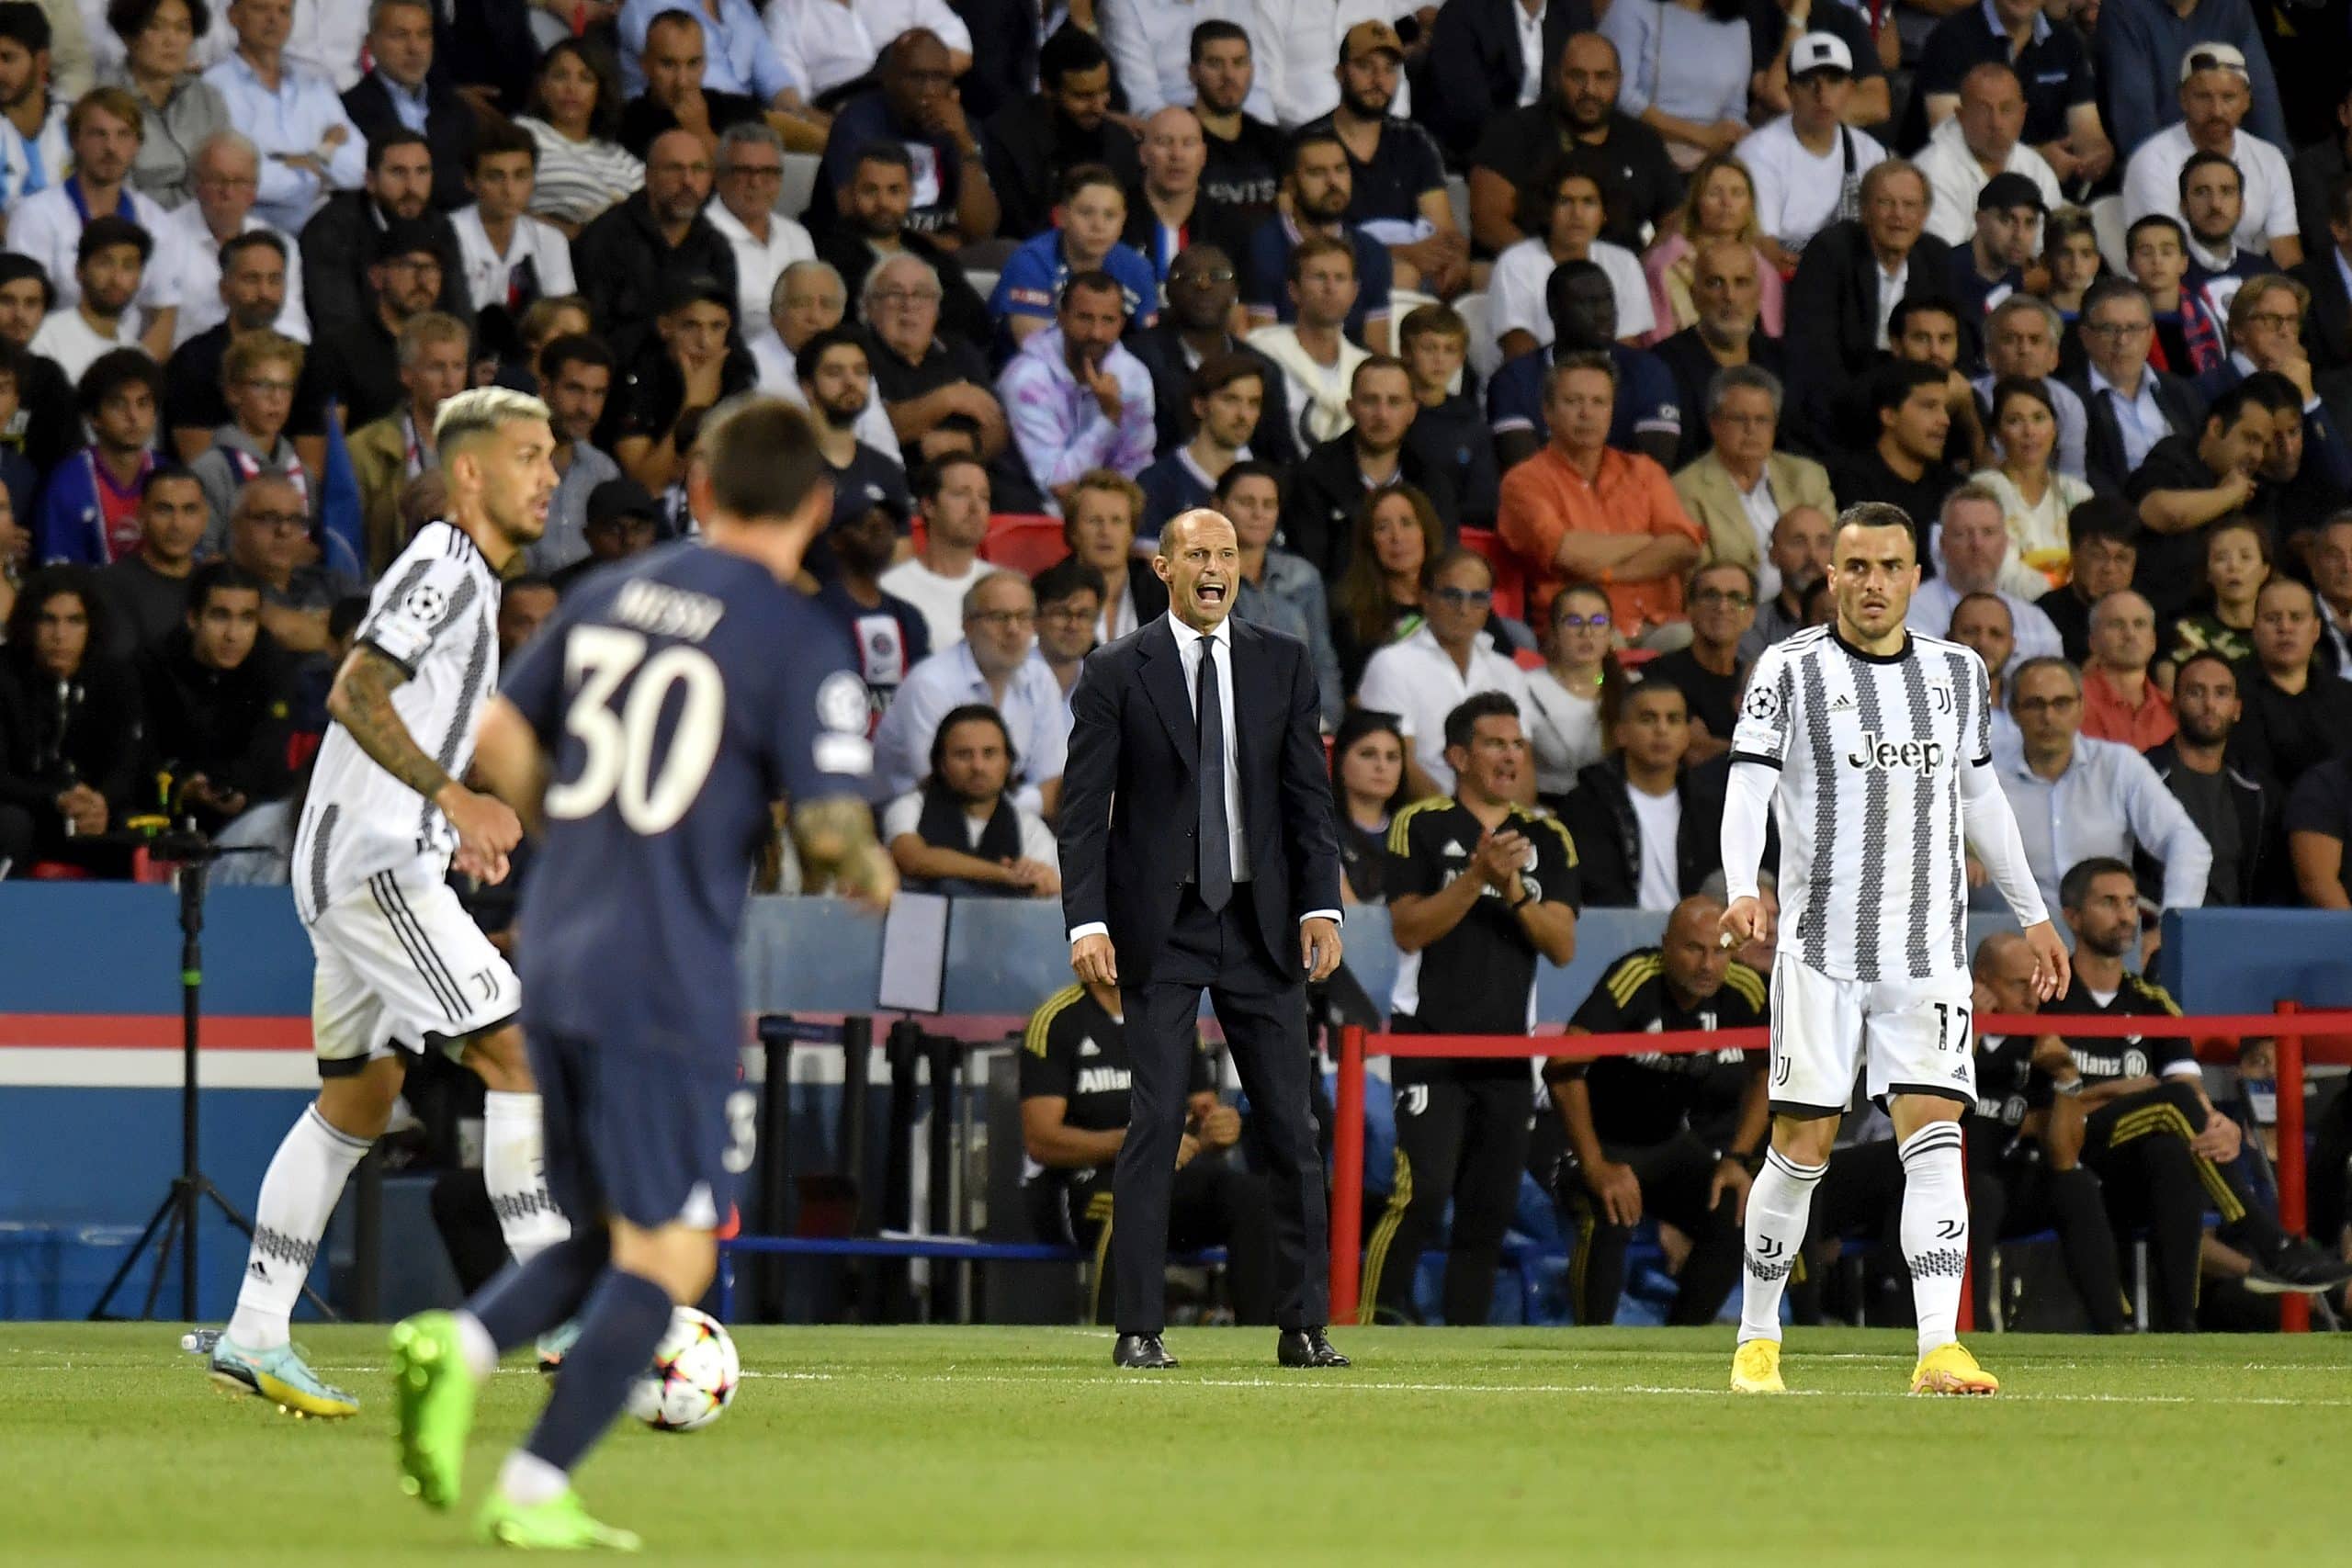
point(1576, 693)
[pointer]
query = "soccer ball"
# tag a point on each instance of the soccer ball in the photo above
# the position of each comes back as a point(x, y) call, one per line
point(693, 1378)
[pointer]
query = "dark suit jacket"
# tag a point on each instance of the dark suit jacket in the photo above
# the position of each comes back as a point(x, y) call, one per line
point(338, 246)
point(1161, 349)
point(448, 129)
point(1833, 307)
point(2327, 325)
point(2103, 462)
point(1473, 70)
point(1326, 490)
point(1130, 796)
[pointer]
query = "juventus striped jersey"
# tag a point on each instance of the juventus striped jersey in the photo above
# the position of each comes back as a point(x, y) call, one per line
point(435, 614)
point(1873, 881)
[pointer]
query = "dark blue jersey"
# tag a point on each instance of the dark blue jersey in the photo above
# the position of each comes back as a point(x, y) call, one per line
point(677, 696)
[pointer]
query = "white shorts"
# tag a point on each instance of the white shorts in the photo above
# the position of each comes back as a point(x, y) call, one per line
point(401, 967)
point(1913, 1036)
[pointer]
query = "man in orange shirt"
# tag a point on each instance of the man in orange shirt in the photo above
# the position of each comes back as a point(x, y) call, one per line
point(2120, 702)
point(1580, 510)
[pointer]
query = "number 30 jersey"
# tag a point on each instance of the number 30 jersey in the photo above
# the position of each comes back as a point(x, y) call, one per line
point(677, 696)
point(1873, 881)
point(435, 614)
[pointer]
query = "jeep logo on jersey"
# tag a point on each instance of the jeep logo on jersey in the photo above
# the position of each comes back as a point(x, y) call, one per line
point(1877, 751)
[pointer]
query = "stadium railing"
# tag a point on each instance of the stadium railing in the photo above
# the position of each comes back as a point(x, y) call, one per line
point(2303, 1037)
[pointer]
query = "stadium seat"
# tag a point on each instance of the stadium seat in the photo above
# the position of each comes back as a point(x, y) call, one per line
point(1483, 357)
point(1527, 659)
point(1510, 582)
point(799, 183)
point(1028, 544)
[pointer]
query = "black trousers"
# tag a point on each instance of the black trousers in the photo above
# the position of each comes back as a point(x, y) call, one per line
point(1210, 1202)
point(1675, 1176)
point(2018, 1195)
point(2139, 1146)
point(1264, 1012)
point(1461, 1132)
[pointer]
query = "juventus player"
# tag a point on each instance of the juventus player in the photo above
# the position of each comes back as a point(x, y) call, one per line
point(1873, 746)
point(400, 965)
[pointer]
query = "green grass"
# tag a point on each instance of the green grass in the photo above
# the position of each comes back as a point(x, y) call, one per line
point(1021, 1446)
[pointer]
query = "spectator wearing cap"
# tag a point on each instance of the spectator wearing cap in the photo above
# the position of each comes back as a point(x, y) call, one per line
point(1034, 142)
point(1295, 45)
point(388, 452)
point(2052, 66)
point(620, 519)
point(353, 229)
point(749, 175)
point(1397, 194)
point(2008, 238)
point(1077, 399)
point(89, 513)
point(1806, 165)
point(2142, 45)
point(363, 359)
point(105, 129)
point(2216, 96)
point(258, 376)
point(997, 663)
point(309, 145)
point(223, 172)
point(1853, 274)
point(1982, 141)
point(2128, 405)
point(404, 92)
point(836, 386)
point(891, 635)
point(691, 363)
point(1087, 222)
point(575, 377)
point(37, 154)
point(631, 257)
point(110, 269)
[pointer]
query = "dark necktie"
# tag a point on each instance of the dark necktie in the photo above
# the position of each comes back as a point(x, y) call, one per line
point(1215, 870)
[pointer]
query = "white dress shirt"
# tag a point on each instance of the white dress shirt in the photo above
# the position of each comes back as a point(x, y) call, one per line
point(1150, 45)
point(70, 340)
point(828, 43)
point(490, 276)
point(1189, 644)
point(1032, 710)
point(2107, 802)
point(778, 379)
point(1955, 179)
point(1797, 189)
point(2152, 184)
point(47, 227)
point(288, 122)
point(904, 816)
point(1515, 292)
point(198, 257)
point(2139, 421)
point(1531, 50)
point(2037, 636)
point(1295, 46)
point(759, 262)
point(1417, 680)
point(329, 39)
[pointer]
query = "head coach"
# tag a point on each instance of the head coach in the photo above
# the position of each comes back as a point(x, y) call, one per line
point(1198, 852)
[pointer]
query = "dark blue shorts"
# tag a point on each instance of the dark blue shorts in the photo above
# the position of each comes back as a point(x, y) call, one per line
point(650, 1137)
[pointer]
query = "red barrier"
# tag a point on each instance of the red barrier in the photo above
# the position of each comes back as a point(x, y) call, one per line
point(2318, 1036)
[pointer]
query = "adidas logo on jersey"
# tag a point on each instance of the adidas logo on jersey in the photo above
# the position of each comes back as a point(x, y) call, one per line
point(1842, 702)
point(1087, 1047)
point(1454, 848)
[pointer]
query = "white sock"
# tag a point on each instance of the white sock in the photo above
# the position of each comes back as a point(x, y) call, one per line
point(514, 1167)
point(528, 1480)
point(1935, 1229)
point(475, 1345)
point(298, 1197)
point(1778, 1206)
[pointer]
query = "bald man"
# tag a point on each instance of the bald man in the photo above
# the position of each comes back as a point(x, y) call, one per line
point(2119, 701)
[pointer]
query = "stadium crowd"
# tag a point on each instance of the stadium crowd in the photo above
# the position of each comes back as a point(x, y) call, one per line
point(1533, 347)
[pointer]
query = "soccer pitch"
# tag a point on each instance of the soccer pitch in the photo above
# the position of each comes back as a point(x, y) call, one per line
point(1021, 1446)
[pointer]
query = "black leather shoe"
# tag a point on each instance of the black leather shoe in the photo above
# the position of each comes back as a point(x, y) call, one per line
point(1306, 1347)
point(1142, 1352)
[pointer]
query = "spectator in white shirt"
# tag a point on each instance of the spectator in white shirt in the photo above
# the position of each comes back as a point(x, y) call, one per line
point(1807, 165)
point(105, 129)
point(997, 663)
point(108, 266)
point(1453, 656)
point(1981, 140)
point(329, 39)
point(1150, 45)
point(1295, 44)
point(952, 495)
point(742, 208)
point(808, 298)
point(2214, 99)
point(308, 144)
point(511, 259)
point(226, 173)
point(828, 43)
point(1562, 218)
point(33, 151)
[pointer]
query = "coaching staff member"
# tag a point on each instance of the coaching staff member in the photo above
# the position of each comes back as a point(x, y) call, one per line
point(1196, 839)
